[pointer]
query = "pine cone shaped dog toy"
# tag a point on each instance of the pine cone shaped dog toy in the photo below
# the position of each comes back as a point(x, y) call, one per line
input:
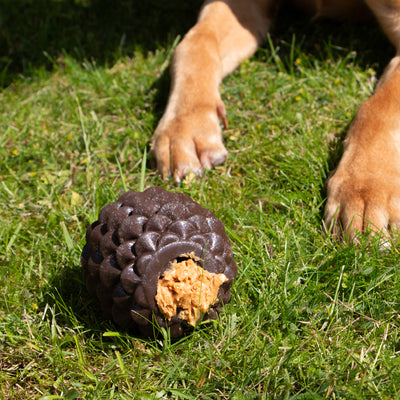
point(157, 258)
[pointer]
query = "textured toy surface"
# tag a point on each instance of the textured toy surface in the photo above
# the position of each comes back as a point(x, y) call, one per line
point(136, 241)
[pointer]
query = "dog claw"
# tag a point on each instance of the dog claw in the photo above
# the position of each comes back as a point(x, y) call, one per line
point(221, 112)
point(205, 161)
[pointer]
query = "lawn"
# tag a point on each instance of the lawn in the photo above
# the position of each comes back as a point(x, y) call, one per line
point(83, 84)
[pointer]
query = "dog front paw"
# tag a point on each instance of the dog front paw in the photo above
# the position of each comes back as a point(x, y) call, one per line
point(364, 194)
point(189, 143)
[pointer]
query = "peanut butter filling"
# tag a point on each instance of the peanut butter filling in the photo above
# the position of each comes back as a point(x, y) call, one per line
point(188, 287)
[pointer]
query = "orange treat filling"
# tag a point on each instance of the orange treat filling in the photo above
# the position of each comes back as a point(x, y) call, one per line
point(188, 287)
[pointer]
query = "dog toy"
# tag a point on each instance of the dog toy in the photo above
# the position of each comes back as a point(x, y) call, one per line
point(158, 259)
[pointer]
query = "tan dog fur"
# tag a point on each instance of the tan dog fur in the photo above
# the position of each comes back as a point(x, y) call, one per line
point(364, 191)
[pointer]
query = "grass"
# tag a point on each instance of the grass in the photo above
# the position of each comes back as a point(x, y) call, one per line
point(309, 318)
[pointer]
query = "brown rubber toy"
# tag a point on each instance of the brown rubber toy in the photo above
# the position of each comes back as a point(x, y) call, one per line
point(150, 255)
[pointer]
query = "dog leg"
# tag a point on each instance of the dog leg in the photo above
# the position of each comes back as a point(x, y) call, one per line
point(188, 137)
point(364, 191)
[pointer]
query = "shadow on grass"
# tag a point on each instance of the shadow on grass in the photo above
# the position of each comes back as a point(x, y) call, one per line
point(73, 304)
point(33, 33)
point(328, 39)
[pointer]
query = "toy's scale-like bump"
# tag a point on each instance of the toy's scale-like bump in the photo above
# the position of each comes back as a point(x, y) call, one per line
point(133, 243)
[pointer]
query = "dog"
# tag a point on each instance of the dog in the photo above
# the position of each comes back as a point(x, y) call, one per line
point(363, 193)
